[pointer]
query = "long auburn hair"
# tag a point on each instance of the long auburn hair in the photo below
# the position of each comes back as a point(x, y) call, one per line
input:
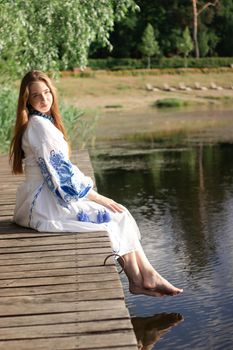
point(22, 117)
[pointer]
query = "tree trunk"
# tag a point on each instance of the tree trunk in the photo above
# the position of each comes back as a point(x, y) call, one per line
point(185, 61)
point(197, 54)
point(148, 62)
point(196, 13)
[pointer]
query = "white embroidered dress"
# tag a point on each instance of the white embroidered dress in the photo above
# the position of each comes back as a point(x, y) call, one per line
point(53, 197)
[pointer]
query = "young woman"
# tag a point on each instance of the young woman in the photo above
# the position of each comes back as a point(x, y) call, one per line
point(56, 196)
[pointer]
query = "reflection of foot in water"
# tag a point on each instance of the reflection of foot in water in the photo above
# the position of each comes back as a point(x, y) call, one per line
point(149, 330)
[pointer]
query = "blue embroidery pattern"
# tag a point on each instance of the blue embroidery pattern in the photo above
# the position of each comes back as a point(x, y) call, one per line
point(64, 171)
point(33, 203)
point(102, 217)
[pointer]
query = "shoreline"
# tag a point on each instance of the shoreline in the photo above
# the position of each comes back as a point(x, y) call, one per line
point(123, 106)
point(169, 128)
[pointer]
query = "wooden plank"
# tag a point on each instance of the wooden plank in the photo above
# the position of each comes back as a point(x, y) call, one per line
point(48, 250)
point(71, 271)
point(92, 342)
point(6, 217)
point(91, 257)
point(93, 289)
point(7, 206)
point(90, 261)
point(106, 341)
point(64, 329)
point(61, 293)
point(65, 265)
point(11, 234)
point(50, 280)
point(65, 317)
point(59, 343)
point(59, 240)
point(20, 239)
point(29, 305)
point(21, 246)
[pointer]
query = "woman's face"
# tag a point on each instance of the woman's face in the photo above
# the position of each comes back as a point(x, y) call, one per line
point(40, 97)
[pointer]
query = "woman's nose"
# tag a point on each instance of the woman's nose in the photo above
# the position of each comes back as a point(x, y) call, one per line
point(43, 97)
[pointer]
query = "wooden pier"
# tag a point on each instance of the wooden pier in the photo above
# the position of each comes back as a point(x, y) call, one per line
point(55, 293)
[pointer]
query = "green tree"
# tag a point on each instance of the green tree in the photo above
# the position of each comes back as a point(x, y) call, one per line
point(149, 46)
point(185, 45)
point(208, 41)
point(55, 34)
point(168, 19)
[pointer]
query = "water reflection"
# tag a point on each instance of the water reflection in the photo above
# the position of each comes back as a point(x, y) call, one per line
point(182, 200)
point(150, 329)
point(183, 187)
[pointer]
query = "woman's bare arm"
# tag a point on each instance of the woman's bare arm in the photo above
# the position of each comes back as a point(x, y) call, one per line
point(105, 201)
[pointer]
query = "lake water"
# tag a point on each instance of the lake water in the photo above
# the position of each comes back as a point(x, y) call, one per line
point(182, 199)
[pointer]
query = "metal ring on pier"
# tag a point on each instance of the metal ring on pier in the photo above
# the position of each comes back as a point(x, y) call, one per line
point(119, 257)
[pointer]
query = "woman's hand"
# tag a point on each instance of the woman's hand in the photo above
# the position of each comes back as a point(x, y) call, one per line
point(105, 201)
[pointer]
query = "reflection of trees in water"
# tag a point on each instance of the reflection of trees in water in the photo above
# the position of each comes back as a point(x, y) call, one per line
point(150, 329)
point(186, 186)
point(190, 188)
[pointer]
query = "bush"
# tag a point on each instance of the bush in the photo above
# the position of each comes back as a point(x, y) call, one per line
point(111, 63)
point(169, 102)
point(116, 63)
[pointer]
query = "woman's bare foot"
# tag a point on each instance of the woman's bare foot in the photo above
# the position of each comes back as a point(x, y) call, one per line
point(154, 285)
point(134, 289)
point(160, 284)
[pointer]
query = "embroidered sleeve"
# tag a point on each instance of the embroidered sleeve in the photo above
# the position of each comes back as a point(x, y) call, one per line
point(64, 179)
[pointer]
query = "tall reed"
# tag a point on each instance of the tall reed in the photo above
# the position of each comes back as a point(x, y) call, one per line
point(8, 103)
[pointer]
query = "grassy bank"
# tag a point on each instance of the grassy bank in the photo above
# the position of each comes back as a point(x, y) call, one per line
point(108, 90)
point(129, 106)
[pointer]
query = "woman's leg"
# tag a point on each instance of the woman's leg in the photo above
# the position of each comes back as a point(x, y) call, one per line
point(134, 275)
point(131, 269)
point(152, 279)
point(143, 278)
